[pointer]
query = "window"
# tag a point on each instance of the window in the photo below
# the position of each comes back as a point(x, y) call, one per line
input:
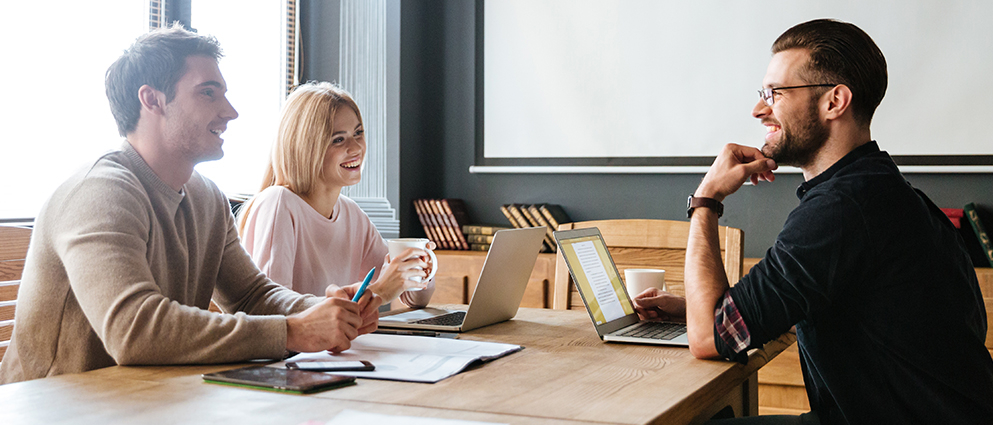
point(253, 39)
point(54, 115)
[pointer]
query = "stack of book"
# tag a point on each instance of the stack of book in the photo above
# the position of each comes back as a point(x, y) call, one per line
point(443, 220)
point(480, 236)
point(549, 216)
point(972, 229)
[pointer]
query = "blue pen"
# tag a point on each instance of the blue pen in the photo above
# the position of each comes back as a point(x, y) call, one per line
point(365, 284)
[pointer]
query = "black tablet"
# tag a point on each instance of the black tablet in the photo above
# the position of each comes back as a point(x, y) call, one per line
point(279, 379)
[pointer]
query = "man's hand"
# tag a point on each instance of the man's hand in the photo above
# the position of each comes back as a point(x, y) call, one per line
point(368, 305)
point(330, 325)
point(734, 166)
point(656, 304)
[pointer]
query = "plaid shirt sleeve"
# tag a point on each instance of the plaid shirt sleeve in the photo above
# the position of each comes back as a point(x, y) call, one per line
point(729, 325)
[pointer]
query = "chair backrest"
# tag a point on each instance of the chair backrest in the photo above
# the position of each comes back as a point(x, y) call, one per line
point(13, 249)
point(647, 244)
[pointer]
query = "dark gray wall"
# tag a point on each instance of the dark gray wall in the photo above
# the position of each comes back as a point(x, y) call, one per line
point(319, 29)
point(437, 131)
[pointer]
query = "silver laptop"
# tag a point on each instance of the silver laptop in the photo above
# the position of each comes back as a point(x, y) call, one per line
point(605, 296)
point(498, 293)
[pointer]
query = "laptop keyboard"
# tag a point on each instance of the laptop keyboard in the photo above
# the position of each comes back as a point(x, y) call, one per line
point(454, 318)
point(654, 330)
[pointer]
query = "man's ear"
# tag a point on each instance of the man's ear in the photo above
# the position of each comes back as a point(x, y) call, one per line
point(839, 100)
point(151, 99)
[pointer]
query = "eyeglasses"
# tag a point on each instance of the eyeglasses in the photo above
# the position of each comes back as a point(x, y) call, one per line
point(766, 94)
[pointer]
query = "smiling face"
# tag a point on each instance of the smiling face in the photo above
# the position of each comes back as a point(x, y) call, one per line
point(199, 113)
point(344, 157)
point(795, 131)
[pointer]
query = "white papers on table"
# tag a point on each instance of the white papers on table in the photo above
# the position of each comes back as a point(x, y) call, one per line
point(354, 417)
point(412, 358)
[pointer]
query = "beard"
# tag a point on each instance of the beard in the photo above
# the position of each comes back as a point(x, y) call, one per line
point(798, 147)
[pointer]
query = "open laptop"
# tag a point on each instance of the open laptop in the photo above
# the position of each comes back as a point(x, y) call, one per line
point(604, 293)
point(498, 293)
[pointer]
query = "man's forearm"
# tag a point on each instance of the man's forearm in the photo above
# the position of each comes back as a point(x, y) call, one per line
point(705, 281)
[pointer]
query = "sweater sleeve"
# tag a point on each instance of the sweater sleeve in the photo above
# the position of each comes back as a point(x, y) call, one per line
point(103, 241)
point(375, 249)
point(270, 237)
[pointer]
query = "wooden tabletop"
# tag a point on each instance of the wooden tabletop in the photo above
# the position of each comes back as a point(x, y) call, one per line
point(565, 374)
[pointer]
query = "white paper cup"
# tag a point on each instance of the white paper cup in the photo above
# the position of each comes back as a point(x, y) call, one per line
point(638, 280)
point(398, 246)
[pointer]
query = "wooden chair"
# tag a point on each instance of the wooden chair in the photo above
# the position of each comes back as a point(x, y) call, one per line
point(646, 244)
point(13, 249)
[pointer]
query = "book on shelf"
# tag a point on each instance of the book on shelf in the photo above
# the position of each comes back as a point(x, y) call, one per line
point(439, 218)
point(973, 217)
point(549, 216)
point(479, 247)
point(443, 220)
point(427, 223)
point(515, 217)
point(458, 216)
point(554, 215)
point(530, 221)
point(540, 219)
point(954, 215)
point(505, 209)
point(432, 228)
point(476, 238)
point(526, 213)
point(482, 229)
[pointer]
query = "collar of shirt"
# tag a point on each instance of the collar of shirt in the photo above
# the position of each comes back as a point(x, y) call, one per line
point(854, 155)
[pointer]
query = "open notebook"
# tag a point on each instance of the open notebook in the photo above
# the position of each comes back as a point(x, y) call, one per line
point(605, 296)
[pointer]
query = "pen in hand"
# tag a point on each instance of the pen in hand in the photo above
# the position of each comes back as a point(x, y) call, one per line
point(362, 288)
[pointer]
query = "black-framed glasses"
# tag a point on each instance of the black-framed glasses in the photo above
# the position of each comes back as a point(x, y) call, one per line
point(766, 93)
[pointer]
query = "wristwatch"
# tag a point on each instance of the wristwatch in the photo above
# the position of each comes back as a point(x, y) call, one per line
point(693, 202)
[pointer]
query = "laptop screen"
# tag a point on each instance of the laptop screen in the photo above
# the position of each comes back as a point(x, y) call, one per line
point(596, 277)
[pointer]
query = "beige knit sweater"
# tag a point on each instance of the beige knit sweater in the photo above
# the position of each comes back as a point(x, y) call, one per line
point(121, 269)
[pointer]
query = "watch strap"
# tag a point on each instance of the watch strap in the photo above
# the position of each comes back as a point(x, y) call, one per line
point(694, 202)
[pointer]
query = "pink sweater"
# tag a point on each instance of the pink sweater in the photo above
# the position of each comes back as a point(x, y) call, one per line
point(301, 249)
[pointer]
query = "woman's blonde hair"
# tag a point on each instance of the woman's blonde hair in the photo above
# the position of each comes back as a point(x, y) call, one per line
point(305, 129)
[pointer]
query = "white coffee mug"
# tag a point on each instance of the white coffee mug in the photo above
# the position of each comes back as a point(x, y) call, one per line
point(398, 246)
point(638, 280)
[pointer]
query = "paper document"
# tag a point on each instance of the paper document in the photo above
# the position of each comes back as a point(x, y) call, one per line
point(354, 417)
point(411, 358)
point(603, 289)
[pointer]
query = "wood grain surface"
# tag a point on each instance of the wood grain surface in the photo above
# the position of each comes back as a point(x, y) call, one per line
point(565, 374)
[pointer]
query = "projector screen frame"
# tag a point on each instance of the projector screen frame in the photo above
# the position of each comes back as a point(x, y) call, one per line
point(653, 164)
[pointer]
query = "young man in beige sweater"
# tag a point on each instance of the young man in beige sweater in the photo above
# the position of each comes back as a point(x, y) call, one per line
point(127, 254)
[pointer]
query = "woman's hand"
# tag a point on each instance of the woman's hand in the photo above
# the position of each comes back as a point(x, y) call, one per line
point(407, 271)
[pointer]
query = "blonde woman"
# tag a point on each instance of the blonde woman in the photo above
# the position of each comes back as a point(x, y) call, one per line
point(300, 230)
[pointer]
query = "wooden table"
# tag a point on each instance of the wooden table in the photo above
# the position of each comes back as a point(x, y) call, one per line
point(565, 375)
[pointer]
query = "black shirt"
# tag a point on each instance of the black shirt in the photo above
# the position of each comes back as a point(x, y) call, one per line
point(890, 321)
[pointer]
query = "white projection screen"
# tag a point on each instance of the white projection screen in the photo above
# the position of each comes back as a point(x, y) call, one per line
point(566, 83)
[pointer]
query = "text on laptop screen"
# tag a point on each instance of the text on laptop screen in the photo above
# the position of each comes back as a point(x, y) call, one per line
point(596, 277)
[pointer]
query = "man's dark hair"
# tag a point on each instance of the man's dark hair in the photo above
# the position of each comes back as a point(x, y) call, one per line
point(157, 59)
point(840, 53)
